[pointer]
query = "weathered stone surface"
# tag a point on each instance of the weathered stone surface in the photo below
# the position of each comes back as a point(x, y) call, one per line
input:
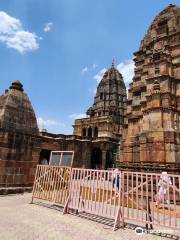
point(106, 118)
point(16, 111)
point(108, 113)
point(19, 146)
point(154, 95)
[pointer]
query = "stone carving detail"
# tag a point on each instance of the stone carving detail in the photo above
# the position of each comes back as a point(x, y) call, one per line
point(110, 99)
point(154, 95)
point(16, 112)
point(108, 112)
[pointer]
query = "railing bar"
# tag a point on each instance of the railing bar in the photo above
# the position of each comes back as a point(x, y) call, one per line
point(39, 182)
point(174, 198)
point(92, 189)
point(35, 183)
point(99, 195)
point(107, 194)
point(104, 181)
point(132, 184)
point(152, 199)
point(112, 190)
point(44, 180)
point(127, 199)
point(142, 197)
point(89, 188)
point(147, 200)
point(86, 190)
point(56, 172)
point(72, 184)
point(80, 197)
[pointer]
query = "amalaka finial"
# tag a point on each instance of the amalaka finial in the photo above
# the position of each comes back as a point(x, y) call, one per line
point(17, 85)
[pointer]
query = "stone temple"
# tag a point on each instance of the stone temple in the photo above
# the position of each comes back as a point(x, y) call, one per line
point(153, 107)
point(22, 146)
point(143, 127)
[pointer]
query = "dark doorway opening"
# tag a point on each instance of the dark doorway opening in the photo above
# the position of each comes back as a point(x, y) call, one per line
point(44, 154)
point(95, 132)
point(96, 158)
point(109, 160)
point(90, 132)
point(84, 132)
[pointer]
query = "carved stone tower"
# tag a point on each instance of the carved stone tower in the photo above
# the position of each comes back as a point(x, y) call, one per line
point(19, 146)
point(153, 107)
point(106, 118)
point(108, 112)
point(16, 112)
point(110, 99)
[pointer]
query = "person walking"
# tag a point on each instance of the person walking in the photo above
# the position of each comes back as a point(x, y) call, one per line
point(116, 179)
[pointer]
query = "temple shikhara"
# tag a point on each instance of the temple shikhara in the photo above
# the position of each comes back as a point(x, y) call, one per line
point(140, 127)
point(153, 107)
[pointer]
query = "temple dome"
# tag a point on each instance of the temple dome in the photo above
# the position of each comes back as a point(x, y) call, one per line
point(113, 74)
point(110, 99)
point(164, 23)
point(17, 85)
point(16, 111)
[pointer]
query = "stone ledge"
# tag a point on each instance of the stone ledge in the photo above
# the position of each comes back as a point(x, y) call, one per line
point(14, 190)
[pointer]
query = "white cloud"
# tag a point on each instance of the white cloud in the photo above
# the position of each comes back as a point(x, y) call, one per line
point(14, 36)
point(126, 68)
point(48, 27)
point(46, 123)
point(84, 70)
point(94, 66)
point(89, 68)
point(78, 115)
point(100, 74)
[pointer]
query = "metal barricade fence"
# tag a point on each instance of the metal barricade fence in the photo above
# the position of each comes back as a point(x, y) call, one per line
point(92, 191)
point(52, 184)
point(153, 199)
point(135, 197)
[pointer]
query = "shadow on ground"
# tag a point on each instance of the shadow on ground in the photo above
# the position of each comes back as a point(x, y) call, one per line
point(105, 221)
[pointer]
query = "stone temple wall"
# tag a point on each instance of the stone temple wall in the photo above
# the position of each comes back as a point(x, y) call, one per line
point(19, 144)
point(153, 107)
point(19, 155)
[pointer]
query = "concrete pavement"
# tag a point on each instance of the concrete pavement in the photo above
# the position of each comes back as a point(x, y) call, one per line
point(23, 221)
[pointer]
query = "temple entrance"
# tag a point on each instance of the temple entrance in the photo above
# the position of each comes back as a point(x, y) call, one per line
point(109, 160)
point(44, 154)
point(96, 158)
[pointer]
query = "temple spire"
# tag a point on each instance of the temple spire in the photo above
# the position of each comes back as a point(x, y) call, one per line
point(113, 62)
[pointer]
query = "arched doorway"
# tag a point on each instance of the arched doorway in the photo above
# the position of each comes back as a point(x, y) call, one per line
point(90, 132)
point(109, 160)
point(84, 132)
point(95, 132)
point(44, 154)
point(96, 158)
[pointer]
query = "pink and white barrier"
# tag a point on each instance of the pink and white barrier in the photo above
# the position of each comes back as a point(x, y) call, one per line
point(135, 197)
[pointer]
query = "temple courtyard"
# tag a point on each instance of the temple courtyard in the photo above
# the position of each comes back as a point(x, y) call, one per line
point(22, 220)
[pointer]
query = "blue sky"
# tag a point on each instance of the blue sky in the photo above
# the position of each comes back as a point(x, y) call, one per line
point(59, 49)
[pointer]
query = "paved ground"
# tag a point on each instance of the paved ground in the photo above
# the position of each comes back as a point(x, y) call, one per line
point(20, 220)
